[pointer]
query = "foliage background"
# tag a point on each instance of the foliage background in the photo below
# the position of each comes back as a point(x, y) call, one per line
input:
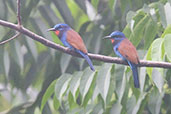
point(27, 68)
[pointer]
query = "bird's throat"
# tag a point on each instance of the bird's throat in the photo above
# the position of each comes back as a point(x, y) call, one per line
point(112, 40)
point(57, 32)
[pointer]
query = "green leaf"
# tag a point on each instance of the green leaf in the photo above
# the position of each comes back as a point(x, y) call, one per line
point(19, 53)
point(150, 32)
point(75, 83)
point(64, 11)
point(127, 31)
point(86, 81)
point(62, 85)
point(116, 108)
point(138, 31)
point(148, 57)
point(138, 104)
point(167, 31)
point(56, 102)
point(156, 50)
point(142, 76)
point(122, 86)
point(162, 15)
point(64, 62)
point(103, 80)
point(82, 5)
point(154, 102)
point(95, 3)
point(6, 62)
point(157, 76)
point(129, 16)
point(167, 9)
point(50, 18)
point(98, 109)
point(50, 90)
point(167, 45)
point(32, 47)
point(112, 86)
point(91, 12)
point(71, 101)
point(131, 104)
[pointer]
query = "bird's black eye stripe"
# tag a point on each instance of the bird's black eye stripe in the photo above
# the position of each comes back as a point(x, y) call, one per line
point(117, 36)
point(60, 27)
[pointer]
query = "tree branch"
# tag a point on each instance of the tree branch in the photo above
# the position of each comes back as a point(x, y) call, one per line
point(18, 13)
point(15, 36)
point(19, 24)
point(103, 58)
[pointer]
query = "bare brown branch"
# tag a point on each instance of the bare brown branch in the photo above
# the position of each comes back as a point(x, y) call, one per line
point(15, 36)
point(18, 13)
point(143, 63)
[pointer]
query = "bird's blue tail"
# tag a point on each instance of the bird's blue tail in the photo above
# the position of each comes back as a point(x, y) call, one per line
point(135, 74)
point(87, 59)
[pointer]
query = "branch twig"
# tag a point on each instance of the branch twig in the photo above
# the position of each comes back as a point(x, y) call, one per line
point(18, 13)
point(19, 24)
point(103, 58)
point(15, 36)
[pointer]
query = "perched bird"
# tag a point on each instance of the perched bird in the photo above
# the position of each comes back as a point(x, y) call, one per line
point(72, 40)
point(125, 49)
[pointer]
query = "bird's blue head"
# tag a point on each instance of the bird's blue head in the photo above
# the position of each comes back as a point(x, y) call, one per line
point(117, 34)
point(59, 27)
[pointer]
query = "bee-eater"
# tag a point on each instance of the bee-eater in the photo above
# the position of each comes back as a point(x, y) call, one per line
point(72, 40)
point(125, 49)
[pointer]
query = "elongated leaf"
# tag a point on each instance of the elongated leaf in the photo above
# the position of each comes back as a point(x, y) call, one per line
point(116, 108)
point(74, 83)
point(138, 104)
point(32, 47)
point(62, 85)
point(64, 11)
point(64, 62)
point(91, 12)
point(162, 14)
point(86, 81)
point(142, 77)
point(71, 101)
point(1, 62)
point(51, 18)
point(122, 87)
point(156, 50)
point(19, 53)
point(167, 9)
point(157, 76)
point(150, 32)
point(155, 100)
point(82, 5)
point(50, 90)
point(137, 33)
point(6, 62)
point(103, 80)
point(3, 11)
point(166, 31)
point(167, 45)
point(148, 57)
point(98, 109)
point(131, 104)
point(56, 102)
point(112, 86)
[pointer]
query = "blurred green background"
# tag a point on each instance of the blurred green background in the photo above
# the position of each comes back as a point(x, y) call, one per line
point(28, 68)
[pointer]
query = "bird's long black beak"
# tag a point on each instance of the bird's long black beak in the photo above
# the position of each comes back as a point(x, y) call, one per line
point(107, 37)
point(51, 29)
